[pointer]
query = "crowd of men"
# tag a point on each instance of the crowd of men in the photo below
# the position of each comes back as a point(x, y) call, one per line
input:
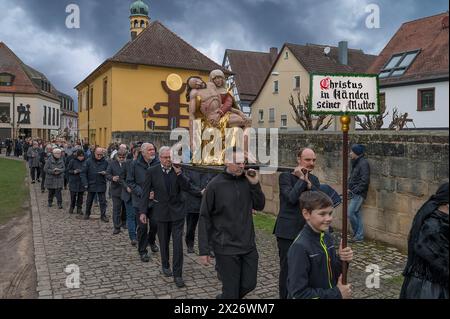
point(152, 197)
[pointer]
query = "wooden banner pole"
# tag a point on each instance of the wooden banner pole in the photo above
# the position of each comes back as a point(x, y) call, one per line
point(345, 121)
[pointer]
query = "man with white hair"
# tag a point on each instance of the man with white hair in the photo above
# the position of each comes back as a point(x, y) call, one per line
point(162, 187)
point(136, 180)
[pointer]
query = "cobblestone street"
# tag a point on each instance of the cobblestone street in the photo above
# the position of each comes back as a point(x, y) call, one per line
point(110, 266)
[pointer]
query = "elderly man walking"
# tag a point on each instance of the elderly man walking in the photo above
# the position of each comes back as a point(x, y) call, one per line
point(163, 186)
point(113, 174)
point(54, 169)
point(136, 180)
point(33, 155)
point(94, 181)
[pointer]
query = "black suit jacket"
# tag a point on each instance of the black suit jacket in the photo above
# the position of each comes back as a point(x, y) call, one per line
point(167, 207)
point(114, 169)
point(290, 220)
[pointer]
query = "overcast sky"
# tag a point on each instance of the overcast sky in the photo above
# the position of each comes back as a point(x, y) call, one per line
point(36, 30)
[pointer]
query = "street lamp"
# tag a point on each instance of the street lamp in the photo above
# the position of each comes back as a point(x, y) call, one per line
point(145, 113)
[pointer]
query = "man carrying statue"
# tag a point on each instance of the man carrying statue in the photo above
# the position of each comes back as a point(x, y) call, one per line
point(215, 107)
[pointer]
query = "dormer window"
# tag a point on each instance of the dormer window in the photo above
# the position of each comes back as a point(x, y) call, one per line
point(398, 64)
point(6, 79)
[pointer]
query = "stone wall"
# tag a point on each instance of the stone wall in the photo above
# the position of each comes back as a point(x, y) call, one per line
point(406, 168)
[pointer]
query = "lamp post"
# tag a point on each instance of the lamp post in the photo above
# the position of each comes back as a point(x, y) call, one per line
point(145, 112)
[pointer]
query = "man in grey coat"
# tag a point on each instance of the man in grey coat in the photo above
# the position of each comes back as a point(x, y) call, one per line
point(33, 155)
point(54, 169)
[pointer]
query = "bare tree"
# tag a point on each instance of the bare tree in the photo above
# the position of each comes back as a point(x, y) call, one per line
point(372, 122)
point(304, 118)
point(376, 122)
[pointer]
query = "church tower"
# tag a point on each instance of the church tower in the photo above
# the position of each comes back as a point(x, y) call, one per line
point(139, 18)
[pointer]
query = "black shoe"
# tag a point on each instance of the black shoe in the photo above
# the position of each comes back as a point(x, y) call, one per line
point(33, 182)
point(190, 250)
point(145, 258)
point(104, 219)
point(71, 211)
point(167, 272)
point(179, 282)
point(42, 190)
point(154, 248)
point(116, 231)
point(134, 242)
point(60, 206)
point(38, 180)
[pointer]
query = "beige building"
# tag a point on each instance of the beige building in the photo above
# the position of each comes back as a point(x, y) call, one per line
point(290, 75)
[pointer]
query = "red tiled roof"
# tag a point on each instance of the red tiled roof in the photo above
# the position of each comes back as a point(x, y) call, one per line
point(250, 69)
point(313, 59)
point(23, 75)
point(158, 46)
point(426, 34)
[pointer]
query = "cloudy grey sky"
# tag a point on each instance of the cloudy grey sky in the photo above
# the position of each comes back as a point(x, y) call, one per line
point(36, 31)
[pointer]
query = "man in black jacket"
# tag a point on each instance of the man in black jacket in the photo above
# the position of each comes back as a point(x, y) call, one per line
point(136, 178)
point(226, 222)
point(113, 173)
point(289, 222)
point(93, 178)
point(193, 199)
point(163, 186)
point(358, 185)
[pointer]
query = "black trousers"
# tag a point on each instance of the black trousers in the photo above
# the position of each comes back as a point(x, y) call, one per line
point(101, 199)
point(43, 180)
point(144, 236)
point(76, 199)
point(35, 173)
point(55, 193)
point(283, 248)
point(238, 274)
point(117, 211)
point(165, 230)
point(191, 225)
point(123, 215)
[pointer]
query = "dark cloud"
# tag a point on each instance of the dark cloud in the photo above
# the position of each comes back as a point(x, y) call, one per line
point(68, 55)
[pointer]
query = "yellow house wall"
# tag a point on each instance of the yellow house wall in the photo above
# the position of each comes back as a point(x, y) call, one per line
point(99, 115)
point(136, 87)
point(287, 69)
point(131, 88)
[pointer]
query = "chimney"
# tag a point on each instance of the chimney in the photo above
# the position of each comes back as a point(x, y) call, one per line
point(343, 52)
point(273, 54)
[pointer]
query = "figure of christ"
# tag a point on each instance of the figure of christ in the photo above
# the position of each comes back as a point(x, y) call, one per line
point(215, 106)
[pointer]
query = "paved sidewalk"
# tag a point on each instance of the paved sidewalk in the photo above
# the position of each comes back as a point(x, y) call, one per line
point(110, 267)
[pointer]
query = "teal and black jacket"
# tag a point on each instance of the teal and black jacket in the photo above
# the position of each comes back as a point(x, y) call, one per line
point(313, 266)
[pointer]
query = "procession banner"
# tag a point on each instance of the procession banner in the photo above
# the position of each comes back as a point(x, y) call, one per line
point(344, 94)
